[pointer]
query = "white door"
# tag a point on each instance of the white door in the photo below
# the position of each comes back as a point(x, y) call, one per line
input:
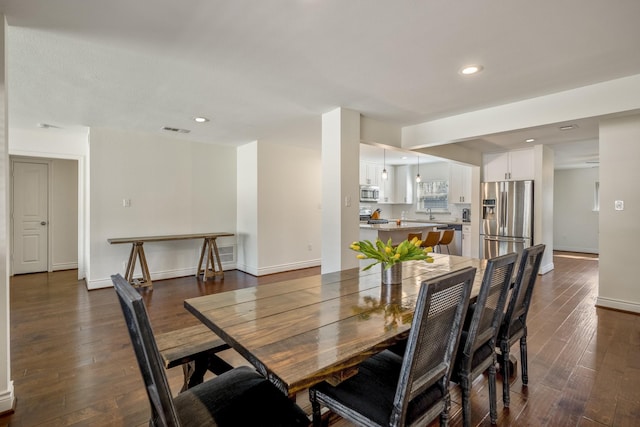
point(30, 217)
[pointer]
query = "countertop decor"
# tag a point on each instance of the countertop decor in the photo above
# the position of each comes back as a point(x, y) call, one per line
point(390, 255)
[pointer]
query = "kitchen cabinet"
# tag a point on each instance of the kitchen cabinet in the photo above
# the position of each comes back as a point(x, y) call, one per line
point(403, 185)
point(459, 184)
point(513, 165)
point(466, 240)
point(371, 173)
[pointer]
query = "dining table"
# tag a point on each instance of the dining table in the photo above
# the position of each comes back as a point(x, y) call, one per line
point(300, 332)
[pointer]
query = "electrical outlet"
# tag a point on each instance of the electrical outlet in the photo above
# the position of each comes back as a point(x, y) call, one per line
point(619, 205)
point(126, 203)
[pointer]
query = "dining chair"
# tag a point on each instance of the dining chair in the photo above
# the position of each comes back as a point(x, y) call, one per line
point(514, 323)
point(476, 352)
point(432, 240)
point(446, 239)
point(413, 390)
point(240, 396)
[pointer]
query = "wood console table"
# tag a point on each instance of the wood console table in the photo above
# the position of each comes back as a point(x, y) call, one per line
point(209, 250)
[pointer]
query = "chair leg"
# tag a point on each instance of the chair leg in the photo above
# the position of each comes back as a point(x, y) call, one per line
point(523, 359)
point(444, 415)
point(504, 366)
point(465, 385)
point(493, 410)
point(315, 408)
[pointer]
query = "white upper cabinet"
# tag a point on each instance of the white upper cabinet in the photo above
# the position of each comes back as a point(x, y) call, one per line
point(508, 166)
point(459, 184)
point(403, 185)
point(370, 173)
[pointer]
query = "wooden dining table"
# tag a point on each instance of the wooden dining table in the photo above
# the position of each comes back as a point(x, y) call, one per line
point(303, 331)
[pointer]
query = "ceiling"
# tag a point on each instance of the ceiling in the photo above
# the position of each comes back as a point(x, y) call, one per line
point(256, 67)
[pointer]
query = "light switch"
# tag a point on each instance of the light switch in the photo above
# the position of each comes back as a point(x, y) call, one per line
point(347, 201)
point(126, 203)
point(619, 205)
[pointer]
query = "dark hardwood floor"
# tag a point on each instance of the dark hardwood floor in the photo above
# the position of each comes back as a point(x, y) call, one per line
point(72, 363)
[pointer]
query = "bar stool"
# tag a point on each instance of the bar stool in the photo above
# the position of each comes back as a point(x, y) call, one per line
point(432, 239)
point(446, 239)
point(410, 236)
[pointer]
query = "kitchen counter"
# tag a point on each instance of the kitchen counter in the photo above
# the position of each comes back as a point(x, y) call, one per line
point(397, 233)
point(393, 226)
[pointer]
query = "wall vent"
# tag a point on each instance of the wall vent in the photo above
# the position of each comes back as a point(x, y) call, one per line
point(226, 254)
point(177, 130)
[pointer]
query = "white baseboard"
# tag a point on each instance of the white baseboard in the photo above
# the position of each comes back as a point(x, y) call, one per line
point(7, 399)
point(64, 266)
point(155, 275)
point(617, 304)
point(575, 249)
point(278, 268)
point(544, 269)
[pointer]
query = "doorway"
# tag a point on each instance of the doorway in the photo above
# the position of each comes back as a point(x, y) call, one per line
point(45, 198)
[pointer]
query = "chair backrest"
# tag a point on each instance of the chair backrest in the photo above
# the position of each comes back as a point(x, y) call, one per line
point(432, 239)
point(447, 236)
point(489, 307)
point(410, 236)
point(144, 346)
point(434, 337)
point(522, 290)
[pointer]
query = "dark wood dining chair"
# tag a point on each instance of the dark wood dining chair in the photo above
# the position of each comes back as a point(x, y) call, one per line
point(237, 397)
point(476, 352)
point(514, 323)
point(412, 390)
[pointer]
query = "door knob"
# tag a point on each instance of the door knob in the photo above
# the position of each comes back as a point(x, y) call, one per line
point(43, 223)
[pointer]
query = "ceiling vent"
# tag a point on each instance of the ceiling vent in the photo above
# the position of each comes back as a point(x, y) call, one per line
point(177, 130)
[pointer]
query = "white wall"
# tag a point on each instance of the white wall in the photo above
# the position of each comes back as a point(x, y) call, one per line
point(575, 223)
point(289, 207)
point(247, 208)
point(64, 214)
point(7, 398)
point(175, 187)
point(543, 203)
point(619, 286)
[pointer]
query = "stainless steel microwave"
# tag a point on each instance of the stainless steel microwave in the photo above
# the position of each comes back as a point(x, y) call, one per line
point(369, 193)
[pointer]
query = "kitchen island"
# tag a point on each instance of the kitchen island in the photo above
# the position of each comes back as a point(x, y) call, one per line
point(396, 232)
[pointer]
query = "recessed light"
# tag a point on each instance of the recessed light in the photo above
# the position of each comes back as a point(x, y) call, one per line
point(200, 119)
point(470, 69)
point(529, 140)
point(568, 127)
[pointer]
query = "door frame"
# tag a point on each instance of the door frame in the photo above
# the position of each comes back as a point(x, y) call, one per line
point(49, 163)
point(83, 202)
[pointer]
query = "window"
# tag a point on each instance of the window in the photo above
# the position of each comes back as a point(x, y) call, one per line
point(433, 195)
point(596, 197)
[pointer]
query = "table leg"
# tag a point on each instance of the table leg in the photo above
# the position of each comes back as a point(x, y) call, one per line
point(209, 250)
point(202, 252)
point(137, 252)
point(131, 263)
point(215, 248)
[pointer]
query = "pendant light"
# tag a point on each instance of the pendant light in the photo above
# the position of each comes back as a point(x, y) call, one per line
point(384, 170)
point(418, 175)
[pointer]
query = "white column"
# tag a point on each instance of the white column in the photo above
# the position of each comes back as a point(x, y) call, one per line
point(340, 188)
point(619, 212)
point(7, 399)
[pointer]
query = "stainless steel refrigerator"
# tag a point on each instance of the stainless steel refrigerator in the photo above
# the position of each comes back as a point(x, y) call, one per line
point(507, 217)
